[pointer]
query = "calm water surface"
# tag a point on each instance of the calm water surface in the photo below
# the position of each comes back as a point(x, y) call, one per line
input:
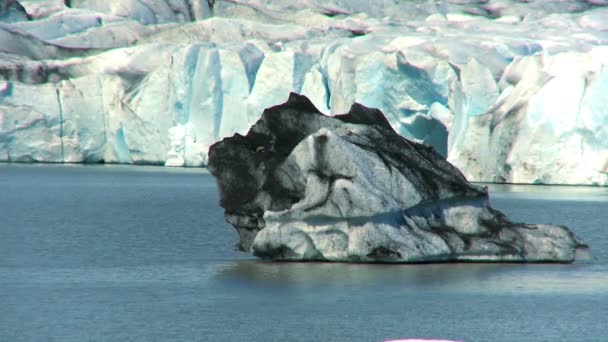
point(143, 253)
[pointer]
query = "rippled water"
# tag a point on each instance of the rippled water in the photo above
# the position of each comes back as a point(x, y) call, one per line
point(142, 253)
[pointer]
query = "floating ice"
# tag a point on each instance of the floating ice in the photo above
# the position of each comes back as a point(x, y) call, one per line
point(304, 186)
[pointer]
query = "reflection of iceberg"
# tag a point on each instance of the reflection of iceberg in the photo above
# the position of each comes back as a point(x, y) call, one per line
point(519, 88)
point(299, 274)
point(446, 278)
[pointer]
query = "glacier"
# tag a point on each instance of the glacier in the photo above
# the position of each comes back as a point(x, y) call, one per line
point(508, 91)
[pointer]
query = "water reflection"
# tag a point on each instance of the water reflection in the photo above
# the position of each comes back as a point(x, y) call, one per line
point(478, 278)
point(337, 274)
point(550, 192)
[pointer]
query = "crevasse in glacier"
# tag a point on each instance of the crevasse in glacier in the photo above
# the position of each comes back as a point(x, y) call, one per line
point(508, 91)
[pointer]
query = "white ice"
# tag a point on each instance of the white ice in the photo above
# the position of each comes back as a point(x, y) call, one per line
point(508, 91)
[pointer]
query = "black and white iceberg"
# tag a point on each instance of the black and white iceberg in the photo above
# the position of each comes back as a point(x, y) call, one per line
point(305, 186)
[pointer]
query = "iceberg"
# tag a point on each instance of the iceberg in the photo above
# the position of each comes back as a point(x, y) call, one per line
point(309, 187)
point(508, 91)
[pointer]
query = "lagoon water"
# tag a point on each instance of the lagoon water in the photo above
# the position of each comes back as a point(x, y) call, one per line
point(102, 253)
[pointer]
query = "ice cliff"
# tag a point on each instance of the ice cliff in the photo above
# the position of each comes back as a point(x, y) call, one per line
point(305, 186)
point(509, 91)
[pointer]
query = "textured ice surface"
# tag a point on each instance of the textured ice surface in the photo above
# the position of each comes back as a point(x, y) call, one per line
point(508, 90)
point(304, 186)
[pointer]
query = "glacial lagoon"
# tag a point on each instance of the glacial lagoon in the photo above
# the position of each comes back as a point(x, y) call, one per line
point(106, 253)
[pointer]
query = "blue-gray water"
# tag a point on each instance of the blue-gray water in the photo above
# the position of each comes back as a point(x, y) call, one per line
point(127, 253)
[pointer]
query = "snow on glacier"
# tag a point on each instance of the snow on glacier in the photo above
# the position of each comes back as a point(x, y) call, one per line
point(509, 91)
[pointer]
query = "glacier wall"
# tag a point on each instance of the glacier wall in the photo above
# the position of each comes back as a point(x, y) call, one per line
point(508, 91)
